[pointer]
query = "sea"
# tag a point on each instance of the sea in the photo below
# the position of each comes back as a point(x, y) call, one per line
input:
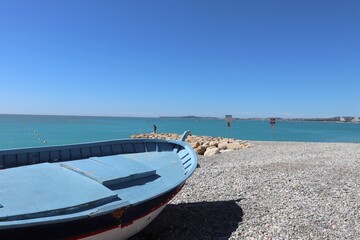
point(17, 131)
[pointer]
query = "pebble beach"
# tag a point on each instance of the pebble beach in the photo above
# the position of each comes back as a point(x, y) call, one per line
point(271, 190)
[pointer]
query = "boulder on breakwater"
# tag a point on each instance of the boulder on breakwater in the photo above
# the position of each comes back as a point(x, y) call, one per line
point(203, 145)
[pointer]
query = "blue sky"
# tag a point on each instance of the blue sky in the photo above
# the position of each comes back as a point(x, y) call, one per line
point(206, 58)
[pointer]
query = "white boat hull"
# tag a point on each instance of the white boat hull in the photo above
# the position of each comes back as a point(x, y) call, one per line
point(125, 232)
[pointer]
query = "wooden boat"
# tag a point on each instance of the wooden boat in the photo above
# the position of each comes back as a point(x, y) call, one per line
point(103, 190)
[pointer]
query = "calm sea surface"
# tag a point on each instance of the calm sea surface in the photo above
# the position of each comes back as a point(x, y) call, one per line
point(29, 131)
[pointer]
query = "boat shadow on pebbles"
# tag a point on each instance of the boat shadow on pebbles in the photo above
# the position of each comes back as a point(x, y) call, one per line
point(200, 220)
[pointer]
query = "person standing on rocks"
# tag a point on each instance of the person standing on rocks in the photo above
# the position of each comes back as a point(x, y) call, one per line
point(154, 128)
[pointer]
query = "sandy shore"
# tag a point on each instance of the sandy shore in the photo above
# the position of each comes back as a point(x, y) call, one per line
point(273, 190)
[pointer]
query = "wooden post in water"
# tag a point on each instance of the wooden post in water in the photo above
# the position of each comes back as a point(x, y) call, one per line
point(272, 124)
point(228, 119)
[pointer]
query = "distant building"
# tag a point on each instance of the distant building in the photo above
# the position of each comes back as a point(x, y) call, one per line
point(356, 120)
point(342, 119)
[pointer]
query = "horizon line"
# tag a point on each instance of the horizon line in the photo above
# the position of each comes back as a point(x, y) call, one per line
point(185, 116)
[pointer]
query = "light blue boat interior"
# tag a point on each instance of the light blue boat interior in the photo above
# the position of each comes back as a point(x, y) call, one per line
point(57, 184)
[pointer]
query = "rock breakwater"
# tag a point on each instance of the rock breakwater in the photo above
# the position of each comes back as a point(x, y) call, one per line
point(203, 145)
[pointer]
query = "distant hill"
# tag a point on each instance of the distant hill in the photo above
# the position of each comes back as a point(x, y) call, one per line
point(194, 117)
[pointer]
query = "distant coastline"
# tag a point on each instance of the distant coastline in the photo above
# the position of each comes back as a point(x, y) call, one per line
point(330, 119)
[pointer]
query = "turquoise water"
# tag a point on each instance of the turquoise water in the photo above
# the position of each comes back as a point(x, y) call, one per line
point(29, 131)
